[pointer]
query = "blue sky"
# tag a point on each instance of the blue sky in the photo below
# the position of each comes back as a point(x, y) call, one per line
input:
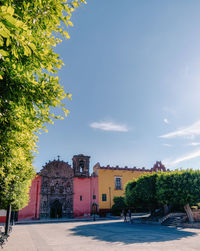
point(133, 69)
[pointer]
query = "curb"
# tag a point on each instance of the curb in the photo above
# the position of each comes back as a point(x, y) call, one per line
point(28, 222)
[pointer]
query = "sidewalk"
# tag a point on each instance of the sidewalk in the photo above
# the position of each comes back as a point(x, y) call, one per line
point(62, 220)
point(77, 219)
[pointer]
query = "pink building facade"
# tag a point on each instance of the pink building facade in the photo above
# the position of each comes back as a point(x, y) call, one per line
point(32, 210)
point(85, 195)
point(81, 187)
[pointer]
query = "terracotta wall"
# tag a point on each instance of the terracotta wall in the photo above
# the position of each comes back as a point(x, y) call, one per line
point(31, 211)
point(84, 190)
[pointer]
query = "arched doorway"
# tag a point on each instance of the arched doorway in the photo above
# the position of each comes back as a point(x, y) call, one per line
point(56, 209)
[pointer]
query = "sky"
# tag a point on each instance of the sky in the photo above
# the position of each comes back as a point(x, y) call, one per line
point(133, 70)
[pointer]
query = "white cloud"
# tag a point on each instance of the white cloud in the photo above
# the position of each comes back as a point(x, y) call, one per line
point(109, 126)
point(176, 161)
point(166, 121)
point(188, 132)
point(194, 144)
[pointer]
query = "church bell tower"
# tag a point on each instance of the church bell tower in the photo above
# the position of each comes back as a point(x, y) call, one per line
point(81, 165)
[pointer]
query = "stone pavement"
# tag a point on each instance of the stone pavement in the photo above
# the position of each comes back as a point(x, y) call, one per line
point(101, 235)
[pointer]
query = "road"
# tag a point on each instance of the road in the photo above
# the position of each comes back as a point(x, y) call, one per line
point(101, 235)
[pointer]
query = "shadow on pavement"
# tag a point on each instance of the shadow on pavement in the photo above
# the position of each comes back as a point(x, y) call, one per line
point(130, 233)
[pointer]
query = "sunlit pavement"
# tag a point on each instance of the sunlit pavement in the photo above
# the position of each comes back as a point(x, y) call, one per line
point(101, 235)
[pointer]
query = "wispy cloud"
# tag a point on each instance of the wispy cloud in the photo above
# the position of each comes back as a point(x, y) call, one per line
point(194, 144)
point(109, 126)
point(166, 121)
point(188, 132)
point(188, 156)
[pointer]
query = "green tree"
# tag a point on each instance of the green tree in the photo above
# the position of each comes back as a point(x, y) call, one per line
point(119, 205)
point(17, 142)
point(29, 31)
point(129, 194)
point(142, 192)
point(179, 188)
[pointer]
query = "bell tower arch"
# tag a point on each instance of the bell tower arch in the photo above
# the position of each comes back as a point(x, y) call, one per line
point(81, 165)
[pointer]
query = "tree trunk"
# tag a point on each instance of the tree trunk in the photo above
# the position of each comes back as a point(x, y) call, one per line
point(166, 209)
point(189, 213)
point(7, 219)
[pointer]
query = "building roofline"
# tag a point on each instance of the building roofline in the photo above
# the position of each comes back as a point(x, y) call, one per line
point(125, 168)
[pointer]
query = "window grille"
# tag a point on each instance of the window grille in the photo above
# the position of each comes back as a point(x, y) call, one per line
point(104, 197)
point(118, 183)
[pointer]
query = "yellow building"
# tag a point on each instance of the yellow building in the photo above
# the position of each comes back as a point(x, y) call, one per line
point(112, 182)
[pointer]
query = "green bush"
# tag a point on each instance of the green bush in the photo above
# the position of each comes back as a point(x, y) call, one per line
point(119, 205)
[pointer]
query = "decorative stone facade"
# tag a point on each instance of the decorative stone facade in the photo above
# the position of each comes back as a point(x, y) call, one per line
point(56, 190)
point(158, 166)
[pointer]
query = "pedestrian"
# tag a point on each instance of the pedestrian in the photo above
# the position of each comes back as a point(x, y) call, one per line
point(129, 215)
point(124, 213)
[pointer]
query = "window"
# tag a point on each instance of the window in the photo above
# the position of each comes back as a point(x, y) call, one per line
point(104, 197)
point(52, 189)
point(61, 190)
point(118, 183)
point(94, 197)
point(81, 166)
point(81, 197)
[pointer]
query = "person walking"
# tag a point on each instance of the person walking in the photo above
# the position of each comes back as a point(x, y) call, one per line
point(129, 215)
point(124, 214)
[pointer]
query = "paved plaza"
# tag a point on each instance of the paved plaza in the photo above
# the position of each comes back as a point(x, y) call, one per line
point(101, 235)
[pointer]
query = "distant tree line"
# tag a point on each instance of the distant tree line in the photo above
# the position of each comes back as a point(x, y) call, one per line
point(161, 190)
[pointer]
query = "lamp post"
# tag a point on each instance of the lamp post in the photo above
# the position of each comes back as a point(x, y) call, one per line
point(110, 196)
